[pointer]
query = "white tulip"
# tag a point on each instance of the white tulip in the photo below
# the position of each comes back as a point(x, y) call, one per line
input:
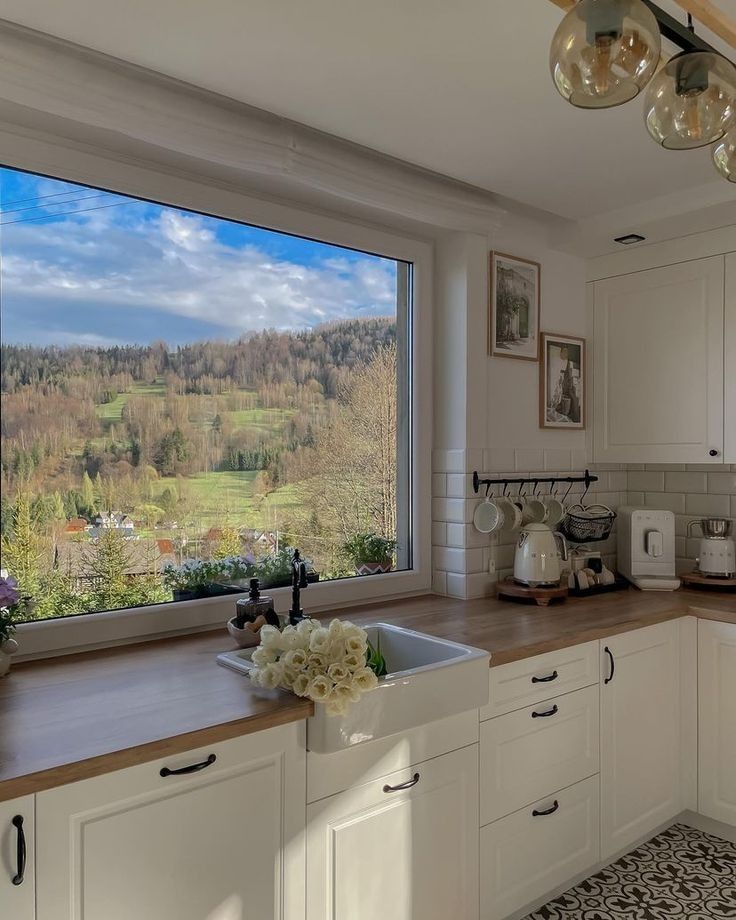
point(301, 685)
point(337, 672)
point(319, 641)
point(365, 679)
point(319, 688)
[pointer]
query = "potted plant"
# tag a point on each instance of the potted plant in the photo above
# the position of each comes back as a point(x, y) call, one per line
point(370, 553)
point(9, 598)
point(190, 580)
point(275, 571)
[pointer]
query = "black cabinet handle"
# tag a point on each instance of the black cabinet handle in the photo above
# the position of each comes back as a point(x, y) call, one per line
point(407, 785)
point(608, 652)
point(547, 811)
point(193, 768)
point(543, 715)
point(21, 852)
point(545, 680)
point(713, 452)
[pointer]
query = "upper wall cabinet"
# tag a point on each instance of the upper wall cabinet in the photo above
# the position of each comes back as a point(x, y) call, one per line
point(729, 344)
point(659, 365)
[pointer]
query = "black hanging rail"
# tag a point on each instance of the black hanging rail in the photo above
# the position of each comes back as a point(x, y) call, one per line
point(588, 479)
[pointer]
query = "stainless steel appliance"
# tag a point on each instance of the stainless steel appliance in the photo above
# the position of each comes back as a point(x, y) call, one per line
point(646, 548)
point(717, 552)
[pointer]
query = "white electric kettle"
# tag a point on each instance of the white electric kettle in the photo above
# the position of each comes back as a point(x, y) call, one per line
point(538, 554)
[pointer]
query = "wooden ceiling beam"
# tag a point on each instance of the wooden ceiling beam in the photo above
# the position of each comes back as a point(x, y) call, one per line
point(712, 17)
point(706, 12)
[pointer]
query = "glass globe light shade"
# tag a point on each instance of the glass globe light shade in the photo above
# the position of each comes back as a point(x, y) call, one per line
point(692, 100)
point(604, 52)
point(724, 156)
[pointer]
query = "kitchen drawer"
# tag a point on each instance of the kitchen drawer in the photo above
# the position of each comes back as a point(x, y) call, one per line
point(526, 856)
point(532, 680)
point(527, 754)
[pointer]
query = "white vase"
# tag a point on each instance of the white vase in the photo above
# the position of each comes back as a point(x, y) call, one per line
point(8, 648)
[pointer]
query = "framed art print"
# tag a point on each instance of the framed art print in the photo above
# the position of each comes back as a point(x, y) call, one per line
point(513, 314)
point(562, 382)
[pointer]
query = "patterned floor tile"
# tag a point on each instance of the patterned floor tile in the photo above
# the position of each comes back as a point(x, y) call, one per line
point(681, 873)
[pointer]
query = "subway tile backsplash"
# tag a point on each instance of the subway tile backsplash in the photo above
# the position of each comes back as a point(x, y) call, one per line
point(463, 558)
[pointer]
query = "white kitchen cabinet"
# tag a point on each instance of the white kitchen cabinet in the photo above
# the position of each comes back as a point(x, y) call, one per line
point(531, 852)
point(659, 365)
point(17, 863)
point(378, 852)
point(534, 751)
point(222, 842)
point(729, 343)
point(640, 734)
point(717, 721)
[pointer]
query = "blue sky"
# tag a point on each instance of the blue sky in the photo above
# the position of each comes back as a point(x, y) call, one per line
point(79, 266)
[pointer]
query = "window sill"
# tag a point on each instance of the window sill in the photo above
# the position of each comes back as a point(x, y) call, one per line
point(67, 635)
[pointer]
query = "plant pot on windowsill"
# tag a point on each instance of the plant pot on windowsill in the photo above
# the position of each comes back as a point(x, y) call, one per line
point(7, 648)
point(188, 594)
point(374, 568)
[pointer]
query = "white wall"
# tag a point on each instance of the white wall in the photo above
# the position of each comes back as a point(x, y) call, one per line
point(487, 408)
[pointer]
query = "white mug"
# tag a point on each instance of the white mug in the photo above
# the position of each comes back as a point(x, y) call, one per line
point(487, 516)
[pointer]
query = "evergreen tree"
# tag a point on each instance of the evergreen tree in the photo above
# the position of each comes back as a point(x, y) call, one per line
point(108, 562)
point(88, 495)
point(22, 551)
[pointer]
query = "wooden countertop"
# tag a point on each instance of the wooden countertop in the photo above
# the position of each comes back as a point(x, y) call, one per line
point(69, 718)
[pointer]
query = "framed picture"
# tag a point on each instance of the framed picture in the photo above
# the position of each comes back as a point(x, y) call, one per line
point(513, 314)
point(562, 382)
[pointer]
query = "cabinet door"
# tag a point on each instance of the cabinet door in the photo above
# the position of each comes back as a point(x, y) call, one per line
point(376, 854)
point(729, 340)
point(222, 843)
point(640, 734)
point(659, 365)
point(717, 721)
point(17, 876)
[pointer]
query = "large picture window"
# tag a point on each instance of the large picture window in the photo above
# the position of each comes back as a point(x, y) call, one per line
point(186, 399)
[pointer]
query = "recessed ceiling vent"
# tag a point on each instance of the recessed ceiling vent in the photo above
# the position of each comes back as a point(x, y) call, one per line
point(629, 239)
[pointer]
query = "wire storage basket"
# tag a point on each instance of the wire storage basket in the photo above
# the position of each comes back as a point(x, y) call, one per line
point(588, 525)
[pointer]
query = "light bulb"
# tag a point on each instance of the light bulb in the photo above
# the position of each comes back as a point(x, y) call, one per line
point(604, 52)
point(691, 102)
point(724, 156)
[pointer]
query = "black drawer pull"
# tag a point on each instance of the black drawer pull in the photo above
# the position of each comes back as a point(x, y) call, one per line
point(407, 785)
point(545, 680)
point(608, 652)
point(543, 715)
point(193, 768)
point(547, 811)
point(21, 852)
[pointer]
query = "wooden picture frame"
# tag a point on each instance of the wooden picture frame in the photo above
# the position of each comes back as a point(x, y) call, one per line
point(514, 307)
point(563, 384)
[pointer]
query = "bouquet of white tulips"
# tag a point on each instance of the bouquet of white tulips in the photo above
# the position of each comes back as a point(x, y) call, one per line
point(326, 664)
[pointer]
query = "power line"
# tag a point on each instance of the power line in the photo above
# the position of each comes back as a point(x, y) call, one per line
point(25, 220)
point(55, 204)
point(75, 191)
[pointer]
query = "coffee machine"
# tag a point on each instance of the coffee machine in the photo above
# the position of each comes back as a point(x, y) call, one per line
point(646, 548)
point(717, 552)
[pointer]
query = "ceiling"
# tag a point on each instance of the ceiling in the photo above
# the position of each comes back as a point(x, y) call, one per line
point(461, 88)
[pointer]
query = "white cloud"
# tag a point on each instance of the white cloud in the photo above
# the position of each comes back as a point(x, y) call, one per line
point(140, 258)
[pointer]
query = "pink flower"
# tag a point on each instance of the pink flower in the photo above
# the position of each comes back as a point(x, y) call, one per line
point(9, 593)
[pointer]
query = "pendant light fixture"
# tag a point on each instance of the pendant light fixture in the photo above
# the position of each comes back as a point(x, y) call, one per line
point(691, 102)
point(724, 156)
point(604, 52)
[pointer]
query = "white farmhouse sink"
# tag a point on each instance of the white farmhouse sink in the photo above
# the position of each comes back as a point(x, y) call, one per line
point(428, 679)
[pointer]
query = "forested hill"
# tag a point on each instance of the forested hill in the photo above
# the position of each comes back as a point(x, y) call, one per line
point(323, 354)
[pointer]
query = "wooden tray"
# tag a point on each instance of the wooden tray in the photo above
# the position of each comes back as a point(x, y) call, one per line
point(696, 580)
point(509, 589)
